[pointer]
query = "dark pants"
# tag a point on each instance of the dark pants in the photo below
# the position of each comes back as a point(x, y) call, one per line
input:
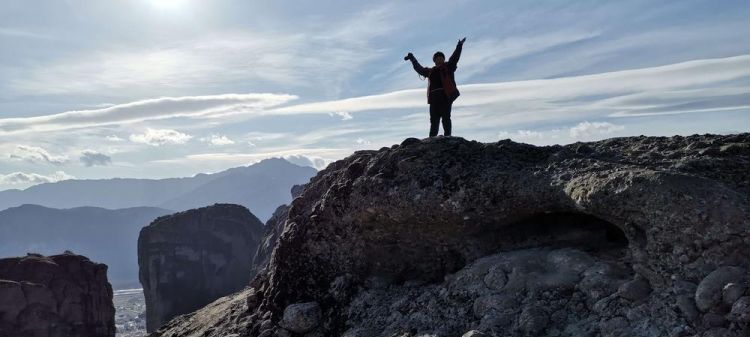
point(440, 108)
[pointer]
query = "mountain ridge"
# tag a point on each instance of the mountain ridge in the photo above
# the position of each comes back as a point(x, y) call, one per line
point(177, 194)
point(105, 235)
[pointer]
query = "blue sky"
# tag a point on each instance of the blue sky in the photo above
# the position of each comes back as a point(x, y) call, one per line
point(162, 88)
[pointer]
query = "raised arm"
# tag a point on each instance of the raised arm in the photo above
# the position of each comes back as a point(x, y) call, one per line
point(418, 67)
point(453, 60)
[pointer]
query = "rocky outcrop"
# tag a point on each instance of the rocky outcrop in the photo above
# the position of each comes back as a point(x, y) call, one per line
point(639, 236)
point(63, 295)
point(273, 228)
point(190, 259)
point(225, 317)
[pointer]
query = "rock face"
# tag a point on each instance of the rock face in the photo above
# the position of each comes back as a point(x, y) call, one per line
point(639, 236)
point(190, 259)
point(63, 295)
point(273, 228)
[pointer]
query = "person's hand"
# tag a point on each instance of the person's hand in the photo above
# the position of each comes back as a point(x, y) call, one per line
point(409, 56)
point(461, 41)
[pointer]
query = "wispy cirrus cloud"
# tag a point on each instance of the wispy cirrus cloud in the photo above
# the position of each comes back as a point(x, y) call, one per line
point(604, 95)
point(326, 52)
point(485, 53)
point(694, 86)
point(144, 110)
point(20, 33)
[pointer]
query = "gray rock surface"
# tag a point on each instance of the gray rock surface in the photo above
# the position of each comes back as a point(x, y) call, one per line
point(710, 290)
point(226, 316)
point(63, 295)
point(301, 317)
point(741, 310)
point(732, 292)
point(190, 259)
point(634, 290)
point(273, 228)
point(441, 236)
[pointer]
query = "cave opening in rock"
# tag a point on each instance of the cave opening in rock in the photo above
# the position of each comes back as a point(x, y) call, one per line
point(411, 252)
point(560, 229)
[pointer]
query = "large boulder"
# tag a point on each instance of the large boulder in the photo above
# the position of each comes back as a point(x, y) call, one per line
point(63, 295)
point(301, 317)
point(190, 259)
point(710, 290)
point(442, 236)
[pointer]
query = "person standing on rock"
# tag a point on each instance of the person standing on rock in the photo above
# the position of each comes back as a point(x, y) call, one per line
point(441, 87)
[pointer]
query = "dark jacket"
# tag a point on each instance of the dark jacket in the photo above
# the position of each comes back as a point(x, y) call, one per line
point(445, 72)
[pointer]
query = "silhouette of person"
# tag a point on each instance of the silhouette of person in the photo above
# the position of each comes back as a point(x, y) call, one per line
point(441, 87)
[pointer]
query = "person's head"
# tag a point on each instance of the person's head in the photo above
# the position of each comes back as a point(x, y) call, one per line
point(438, 58)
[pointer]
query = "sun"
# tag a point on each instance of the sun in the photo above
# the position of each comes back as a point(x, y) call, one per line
point(169, 4)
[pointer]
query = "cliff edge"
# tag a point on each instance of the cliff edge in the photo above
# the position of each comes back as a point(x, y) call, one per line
point(63, 295)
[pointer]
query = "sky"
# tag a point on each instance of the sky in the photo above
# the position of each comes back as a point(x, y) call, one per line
point(171, 88)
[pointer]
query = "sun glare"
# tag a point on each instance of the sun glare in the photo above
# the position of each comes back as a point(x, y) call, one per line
point(169, 4)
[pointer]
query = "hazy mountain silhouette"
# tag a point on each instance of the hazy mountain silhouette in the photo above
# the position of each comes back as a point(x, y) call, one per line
point(260, 187)
point(103, 235)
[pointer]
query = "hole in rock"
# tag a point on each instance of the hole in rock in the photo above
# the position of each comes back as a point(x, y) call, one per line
point(400, 252)
point(560, 229)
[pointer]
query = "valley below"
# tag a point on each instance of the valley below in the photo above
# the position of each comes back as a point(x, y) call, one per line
point(130, 313)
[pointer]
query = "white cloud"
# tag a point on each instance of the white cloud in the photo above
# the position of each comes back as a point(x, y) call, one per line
point(114, 138)
point(37, 154)
point(317, 163)
point(521, 135)
point(345, 116)
point(587, 130)
point(150, 109)
point(217, 140)
point(158, 137)
point(21, 178)
point(362, 141)
point(94, 158)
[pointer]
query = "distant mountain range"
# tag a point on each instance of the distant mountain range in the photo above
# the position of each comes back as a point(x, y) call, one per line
point(101, 219)
point(260, 187)
point(103, 235)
